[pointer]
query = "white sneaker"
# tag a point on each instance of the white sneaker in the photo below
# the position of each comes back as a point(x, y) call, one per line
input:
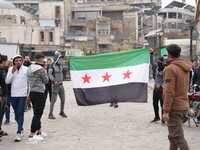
point(22, 133)
point(35, 138)
point(18, 137)
point(43, 135)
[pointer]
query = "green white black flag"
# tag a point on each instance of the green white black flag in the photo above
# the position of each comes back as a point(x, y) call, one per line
point(111, 77)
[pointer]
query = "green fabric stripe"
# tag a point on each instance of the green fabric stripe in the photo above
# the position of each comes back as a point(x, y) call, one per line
point(110, 60)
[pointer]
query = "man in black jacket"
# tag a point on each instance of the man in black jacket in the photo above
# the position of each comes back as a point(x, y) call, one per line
point(3, 90)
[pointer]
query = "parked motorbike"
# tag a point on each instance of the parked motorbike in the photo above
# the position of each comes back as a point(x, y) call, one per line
point(194, 103)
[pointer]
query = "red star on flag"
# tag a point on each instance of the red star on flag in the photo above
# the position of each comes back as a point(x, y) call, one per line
point(86, 78)
point(127, 74)
point(106, 77)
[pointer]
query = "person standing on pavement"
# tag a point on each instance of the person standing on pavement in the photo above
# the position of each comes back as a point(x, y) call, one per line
point(176, 105)
point(158, 86)
point(37, 77)
point(3, 91)
point(27, 63)
point(17, 76)
point(48, 85)
point(55, 73)
point(8, 99)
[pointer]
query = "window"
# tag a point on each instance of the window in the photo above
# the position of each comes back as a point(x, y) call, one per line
point(103, 31)
point(164, 15)
point(57, 9)
point(79, 28)
point(50, 36)
point(42, 36)
point(102, 46)
point(172, 15)
point(22, 20)
point(81, 18)
point(179, 16)
point(107, 31)
point(172, 25)
point(99, 31)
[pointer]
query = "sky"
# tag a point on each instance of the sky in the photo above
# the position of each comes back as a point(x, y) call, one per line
point(166, 2)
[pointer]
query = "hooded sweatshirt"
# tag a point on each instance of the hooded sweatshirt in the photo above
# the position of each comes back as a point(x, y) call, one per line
point(37, 77)
point(18, 80)
point(55, 71)
point(176, 84)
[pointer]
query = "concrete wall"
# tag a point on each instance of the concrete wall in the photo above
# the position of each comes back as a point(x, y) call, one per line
point(47, 11)
point(17, 13)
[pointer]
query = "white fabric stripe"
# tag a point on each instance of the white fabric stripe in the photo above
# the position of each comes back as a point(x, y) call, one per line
point(140, 73)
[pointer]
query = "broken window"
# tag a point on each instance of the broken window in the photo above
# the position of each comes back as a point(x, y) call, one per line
point(179, 16)
point(22, 20)
point(164, 15)
point(172, 25)
point(172, 15)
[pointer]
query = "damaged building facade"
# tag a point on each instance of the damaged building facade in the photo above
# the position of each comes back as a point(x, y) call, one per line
point(36, 25)
point(96, 26)
point(108, 25)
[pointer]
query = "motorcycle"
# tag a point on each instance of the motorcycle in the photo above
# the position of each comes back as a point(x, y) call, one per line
point(194, 103)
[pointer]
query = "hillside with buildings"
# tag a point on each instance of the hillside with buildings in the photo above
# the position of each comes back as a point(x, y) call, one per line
point(91, 26)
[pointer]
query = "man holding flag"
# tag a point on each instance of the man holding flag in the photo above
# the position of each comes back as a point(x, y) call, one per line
point(111, 77)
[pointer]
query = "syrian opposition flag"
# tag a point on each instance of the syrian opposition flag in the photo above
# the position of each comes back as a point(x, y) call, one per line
point(111, 77)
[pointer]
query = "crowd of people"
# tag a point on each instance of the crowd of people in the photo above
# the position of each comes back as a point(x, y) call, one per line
point(173, 79)
point(24, 85)
point(22, 82)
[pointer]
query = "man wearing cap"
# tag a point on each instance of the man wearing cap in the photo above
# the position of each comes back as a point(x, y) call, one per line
point(17, 76)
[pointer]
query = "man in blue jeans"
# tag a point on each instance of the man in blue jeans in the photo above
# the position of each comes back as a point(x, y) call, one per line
point(17, 76)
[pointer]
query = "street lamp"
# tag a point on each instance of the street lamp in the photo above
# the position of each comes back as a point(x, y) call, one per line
point(159, 34)
point(191, 23)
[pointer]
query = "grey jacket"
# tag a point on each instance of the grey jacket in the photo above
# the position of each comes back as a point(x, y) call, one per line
point(55, 71)
point(37, 78)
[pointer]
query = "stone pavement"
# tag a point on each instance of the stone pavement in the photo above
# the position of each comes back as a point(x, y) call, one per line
point(99, 128)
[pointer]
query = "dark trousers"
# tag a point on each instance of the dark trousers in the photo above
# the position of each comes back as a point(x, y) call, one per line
point(57, 90)
point(157, 96)
point(38, 101)
point(176, 135)
point(2, 109)
point(48, 90)
point(8, 103)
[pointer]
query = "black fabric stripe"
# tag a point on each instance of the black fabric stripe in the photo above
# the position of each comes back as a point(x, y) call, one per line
point(132, 92)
